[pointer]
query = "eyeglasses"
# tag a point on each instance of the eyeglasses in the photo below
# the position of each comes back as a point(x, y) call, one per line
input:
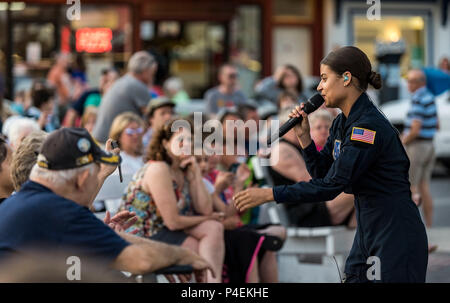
point(131, 131)
point(233, 76)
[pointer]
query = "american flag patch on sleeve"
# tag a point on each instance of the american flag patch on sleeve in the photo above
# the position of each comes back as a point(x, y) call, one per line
point(363, 135)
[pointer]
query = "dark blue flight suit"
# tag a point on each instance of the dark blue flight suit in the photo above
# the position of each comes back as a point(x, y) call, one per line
point(364, 156)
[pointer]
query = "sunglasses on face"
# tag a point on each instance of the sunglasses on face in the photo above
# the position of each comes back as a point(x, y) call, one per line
point(131, 131)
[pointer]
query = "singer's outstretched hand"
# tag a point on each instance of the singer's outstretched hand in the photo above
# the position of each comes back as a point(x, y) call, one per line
point(302, 130)
point(252, 197)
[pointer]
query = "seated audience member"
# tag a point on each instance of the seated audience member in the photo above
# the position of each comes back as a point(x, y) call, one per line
point(249, 111)
point(43, 108)
point(269, 115)
point(6, 184)
point(285, 99)
point(173, 89)
point(444, 65)
point(69, 172)
point(25, 157)
point(249, 255)
point(89, 98)
point(288, 167)
point(159, 111)
point(286, 78)
point(127, 129)
point(17, 128)
point(240, 174)
point(241, 133)
point(232, 132)
point(89, 118)
point(227, 93)
point(2, 87)
point(181, 216)
point(21, 102)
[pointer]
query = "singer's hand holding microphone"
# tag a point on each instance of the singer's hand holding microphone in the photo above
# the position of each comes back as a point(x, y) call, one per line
point(299, 121)
point(302, 130)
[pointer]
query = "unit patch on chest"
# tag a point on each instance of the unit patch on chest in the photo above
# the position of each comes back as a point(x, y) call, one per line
point(336, 149)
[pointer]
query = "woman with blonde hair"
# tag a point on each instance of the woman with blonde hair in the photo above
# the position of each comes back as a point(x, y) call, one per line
point(25, 157)
point(89, 118)
point(127, 129)
point(320, 123)
point(171, 201)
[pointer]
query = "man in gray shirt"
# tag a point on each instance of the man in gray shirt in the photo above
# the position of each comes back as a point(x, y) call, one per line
point(227, 93)
point(128, 94)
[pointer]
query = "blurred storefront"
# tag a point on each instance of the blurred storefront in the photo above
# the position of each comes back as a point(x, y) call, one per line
point(33, 33)
point(191, 38)
point(410, 34)
point(197, 36)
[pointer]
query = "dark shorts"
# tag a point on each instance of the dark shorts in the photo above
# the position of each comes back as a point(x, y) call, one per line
point(174, 237)
point(255, 228)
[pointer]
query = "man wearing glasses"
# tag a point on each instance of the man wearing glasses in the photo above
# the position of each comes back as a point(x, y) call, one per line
point(159, 111)
point(227, 93)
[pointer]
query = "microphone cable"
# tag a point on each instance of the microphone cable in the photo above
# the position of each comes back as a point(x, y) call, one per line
point(337, 267)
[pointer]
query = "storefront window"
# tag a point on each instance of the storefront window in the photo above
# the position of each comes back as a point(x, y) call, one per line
point(103, 37)
point(393, 30)
point(34, 36)
point(40, 31)
point(190, 50)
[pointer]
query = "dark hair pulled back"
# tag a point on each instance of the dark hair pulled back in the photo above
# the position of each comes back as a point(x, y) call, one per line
point(352, 59)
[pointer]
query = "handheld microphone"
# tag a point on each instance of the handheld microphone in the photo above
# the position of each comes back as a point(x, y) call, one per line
point(311, 105)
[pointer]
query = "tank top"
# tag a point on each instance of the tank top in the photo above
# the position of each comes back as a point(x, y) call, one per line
point(277, 178)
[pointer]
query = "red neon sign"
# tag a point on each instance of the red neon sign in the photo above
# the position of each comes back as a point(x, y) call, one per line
point(93, 40)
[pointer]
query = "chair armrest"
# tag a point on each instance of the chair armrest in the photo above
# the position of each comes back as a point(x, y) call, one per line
point(170, 270)
point(175, 270)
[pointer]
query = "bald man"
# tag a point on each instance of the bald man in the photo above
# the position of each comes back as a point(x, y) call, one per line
point(227, 93)
point(420, 127)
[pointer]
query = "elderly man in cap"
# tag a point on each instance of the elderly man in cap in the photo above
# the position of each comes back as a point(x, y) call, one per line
point(51, 212)
point(159, 111)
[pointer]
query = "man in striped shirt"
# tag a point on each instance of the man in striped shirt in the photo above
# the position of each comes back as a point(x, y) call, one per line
point(420, 126)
